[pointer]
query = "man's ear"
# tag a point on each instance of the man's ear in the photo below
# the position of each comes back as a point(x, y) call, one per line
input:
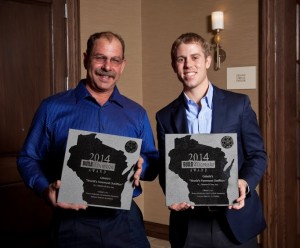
point(208, 61)
point(174, 67)
point(123, 65)
point(85, 60)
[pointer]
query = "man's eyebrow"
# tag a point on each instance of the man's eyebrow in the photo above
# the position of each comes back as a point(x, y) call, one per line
point(183, 56)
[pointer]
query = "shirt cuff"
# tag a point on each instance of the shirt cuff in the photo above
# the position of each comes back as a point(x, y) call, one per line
point(247, 189)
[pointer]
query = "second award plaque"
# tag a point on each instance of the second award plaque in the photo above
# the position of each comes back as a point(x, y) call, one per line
point(201, 169)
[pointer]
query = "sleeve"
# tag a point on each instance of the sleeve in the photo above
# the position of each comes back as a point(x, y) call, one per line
point(161, 147)
point(255, 158)
point(148, 151)
point(33, 154)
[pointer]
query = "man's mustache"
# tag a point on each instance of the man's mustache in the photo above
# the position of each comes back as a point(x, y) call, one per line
point(101, 72)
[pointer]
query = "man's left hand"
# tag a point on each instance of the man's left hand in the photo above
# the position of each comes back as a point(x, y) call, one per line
point(240, 202)
point(138, 171)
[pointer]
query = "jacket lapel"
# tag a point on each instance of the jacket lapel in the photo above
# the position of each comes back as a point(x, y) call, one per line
point(219, 111)
point(179, 115)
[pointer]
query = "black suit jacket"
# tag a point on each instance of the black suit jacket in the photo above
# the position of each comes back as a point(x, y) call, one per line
point(232, 113)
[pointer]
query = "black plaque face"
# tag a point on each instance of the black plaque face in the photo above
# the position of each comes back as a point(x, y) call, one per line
point(97, 169)
point(201, 169)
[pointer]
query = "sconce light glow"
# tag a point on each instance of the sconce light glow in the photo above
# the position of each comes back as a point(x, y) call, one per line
point(217, 24)
point(217, 20)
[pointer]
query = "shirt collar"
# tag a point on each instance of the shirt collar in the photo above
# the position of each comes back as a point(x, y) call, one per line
point(208, 98)
point(209, 95)
point(82, 93)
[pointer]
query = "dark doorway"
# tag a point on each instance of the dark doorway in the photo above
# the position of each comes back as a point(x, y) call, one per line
point(39, 56)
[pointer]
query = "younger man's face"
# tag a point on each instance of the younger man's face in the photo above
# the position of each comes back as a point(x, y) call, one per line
point(191, 65)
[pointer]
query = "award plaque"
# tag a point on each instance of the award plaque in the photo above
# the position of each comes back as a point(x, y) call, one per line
point(97, 169)
point(202, 169)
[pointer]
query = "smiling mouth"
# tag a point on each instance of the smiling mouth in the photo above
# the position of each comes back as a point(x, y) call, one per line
point(104, 78)
point(189, 74)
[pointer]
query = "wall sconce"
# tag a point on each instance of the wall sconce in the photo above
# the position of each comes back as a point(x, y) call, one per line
point(217, 21)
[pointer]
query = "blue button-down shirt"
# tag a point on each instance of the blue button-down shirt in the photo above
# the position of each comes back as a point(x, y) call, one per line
point(199, 118)
point(41, 158)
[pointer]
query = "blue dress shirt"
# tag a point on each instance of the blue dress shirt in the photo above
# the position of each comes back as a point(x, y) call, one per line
point(41, 158)
point(199, 118)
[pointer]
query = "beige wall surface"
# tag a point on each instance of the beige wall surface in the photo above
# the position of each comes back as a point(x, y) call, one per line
point(162, 23)
point(124, 18)
point(149, 28)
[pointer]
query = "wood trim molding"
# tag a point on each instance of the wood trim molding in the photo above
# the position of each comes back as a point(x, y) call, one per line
point(278, 120)
point(156, 230)
point(73, 25)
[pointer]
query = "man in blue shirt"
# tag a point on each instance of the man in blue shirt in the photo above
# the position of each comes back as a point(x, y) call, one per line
point(204, 108)
point(95, 105)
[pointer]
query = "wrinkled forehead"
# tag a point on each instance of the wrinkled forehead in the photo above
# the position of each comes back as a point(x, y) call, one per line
point(108, 46)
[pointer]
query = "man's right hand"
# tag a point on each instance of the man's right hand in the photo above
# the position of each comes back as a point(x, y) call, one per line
point(180, 206)
point(50, 195)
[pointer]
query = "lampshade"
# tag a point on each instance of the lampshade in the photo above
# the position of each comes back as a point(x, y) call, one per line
point(217, 20)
